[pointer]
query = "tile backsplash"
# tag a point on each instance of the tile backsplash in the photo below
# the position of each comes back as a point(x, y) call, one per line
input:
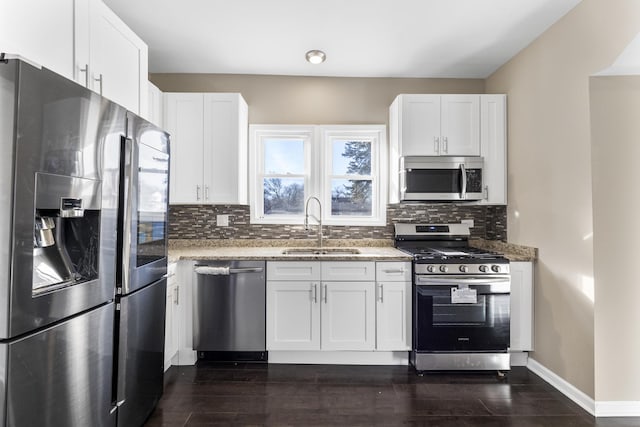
point(199, 222)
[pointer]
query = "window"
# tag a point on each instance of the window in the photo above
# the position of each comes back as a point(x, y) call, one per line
point(340, 165)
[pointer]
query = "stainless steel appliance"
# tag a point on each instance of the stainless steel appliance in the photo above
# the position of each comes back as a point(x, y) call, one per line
point(59, 153)
point(441, 178)
point(141, 276)
point(461, 300)
point(229, 312)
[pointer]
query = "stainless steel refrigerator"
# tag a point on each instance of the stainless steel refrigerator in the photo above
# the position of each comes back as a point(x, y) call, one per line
point(83, 209)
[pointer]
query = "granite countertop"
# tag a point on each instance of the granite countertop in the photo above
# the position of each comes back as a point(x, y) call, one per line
point(272, 250)
point(511, 251)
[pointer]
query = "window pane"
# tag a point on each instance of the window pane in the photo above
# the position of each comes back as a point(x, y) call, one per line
point(283, 196)
point(351, 157)
point(351, 197)
point(283, 156)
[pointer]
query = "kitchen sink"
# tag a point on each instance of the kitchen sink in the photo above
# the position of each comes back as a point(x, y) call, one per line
point(321, 251)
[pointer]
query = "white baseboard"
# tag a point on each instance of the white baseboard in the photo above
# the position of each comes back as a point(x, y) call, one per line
point(596, 408)
point(341, 357)
point(563, 386)
point(618, 408)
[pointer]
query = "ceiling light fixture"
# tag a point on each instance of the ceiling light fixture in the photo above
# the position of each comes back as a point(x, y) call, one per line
point(315, 56)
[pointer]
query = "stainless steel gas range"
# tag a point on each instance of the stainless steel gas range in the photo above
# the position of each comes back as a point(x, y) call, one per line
point(460, 300)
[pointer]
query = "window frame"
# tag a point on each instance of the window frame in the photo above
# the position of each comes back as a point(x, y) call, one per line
point(318, 171)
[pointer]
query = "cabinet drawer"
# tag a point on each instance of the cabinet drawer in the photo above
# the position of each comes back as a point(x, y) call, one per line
point(393, 271)
point(348, 270)
point(293, 270)
point(171, 273)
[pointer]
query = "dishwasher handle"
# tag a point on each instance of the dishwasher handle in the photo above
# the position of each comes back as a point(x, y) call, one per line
point(225, 271)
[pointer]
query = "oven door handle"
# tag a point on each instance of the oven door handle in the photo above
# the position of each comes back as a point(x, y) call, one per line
point(461, 280)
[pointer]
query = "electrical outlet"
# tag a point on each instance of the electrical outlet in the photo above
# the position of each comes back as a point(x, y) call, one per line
point(467, 221)
point(222, 220)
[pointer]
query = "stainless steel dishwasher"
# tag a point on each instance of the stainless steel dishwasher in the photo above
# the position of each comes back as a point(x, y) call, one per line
point(229, 310)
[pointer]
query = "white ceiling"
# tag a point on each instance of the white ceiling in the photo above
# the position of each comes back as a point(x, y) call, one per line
point(362, 38)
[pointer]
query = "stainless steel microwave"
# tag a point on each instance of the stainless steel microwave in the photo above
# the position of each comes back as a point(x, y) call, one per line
point(441, 178)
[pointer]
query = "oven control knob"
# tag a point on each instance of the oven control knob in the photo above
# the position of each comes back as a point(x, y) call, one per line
point(495, 268)
point(444, 268)
point(483, 268)
point(431, 268)
point(464, 268)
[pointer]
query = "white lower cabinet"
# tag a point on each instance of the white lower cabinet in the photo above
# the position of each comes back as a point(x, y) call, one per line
point(305, 312)
point(172, 317)
point(521, 306)
point(293, 315)
point(347, 316)
point(393, 316)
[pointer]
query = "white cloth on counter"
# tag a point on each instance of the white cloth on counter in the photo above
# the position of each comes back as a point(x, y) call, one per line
point(215, 271)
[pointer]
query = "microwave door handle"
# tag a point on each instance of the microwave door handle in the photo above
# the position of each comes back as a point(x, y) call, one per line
point(463, 186)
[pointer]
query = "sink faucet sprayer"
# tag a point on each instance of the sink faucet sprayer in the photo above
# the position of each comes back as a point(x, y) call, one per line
point(306, 218)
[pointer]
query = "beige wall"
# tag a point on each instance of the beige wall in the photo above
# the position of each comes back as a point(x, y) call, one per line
point(550, 192)
point(314, 100)
point(615, 136)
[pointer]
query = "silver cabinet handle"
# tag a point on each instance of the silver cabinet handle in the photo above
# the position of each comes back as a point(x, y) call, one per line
point(445, 145)
point(486, 192)
point(381, 292)
point(325, 294)
point(397, 270)
point(436, 144)
point(99, 79)
point(197, 192)
point(315, 293)
point(85, 70)
point(176, 299)
point(206, 192)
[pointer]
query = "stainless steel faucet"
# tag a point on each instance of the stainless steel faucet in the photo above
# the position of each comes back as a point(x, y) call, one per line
point(306, 218)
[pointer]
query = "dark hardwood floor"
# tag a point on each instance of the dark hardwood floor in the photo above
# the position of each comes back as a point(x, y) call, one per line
point(329, 395)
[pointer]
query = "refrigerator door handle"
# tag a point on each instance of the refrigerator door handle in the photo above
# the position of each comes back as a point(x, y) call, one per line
point(128, 202)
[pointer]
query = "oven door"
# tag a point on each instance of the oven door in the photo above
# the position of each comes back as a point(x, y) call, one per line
point(461, 314)
point(449, 178)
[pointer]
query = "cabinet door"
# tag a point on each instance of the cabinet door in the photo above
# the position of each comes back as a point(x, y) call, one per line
point(420, 128)
point(493, 140)
point(393, 316)
point(225, 148)
point(184, 121)
point(293, 315)
point(348, 316)
point(118, 60)
point(41, 31)
point(169, 339)
point(521, 306)
point(156, 105)
point(460, 125)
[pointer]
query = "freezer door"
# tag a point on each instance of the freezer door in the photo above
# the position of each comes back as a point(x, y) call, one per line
point(61, 376)
point(140, 353)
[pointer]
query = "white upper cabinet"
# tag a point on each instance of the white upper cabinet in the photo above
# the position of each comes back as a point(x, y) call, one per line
point(155, 112)
point(41, 31)
point(435, 125)
point(493, 142)
point(82, 40)
point(118, 60)
point(208, 147)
